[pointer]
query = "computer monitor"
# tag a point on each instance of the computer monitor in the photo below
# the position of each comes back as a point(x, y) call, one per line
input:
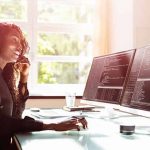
point(137, 91)
point(107, 79)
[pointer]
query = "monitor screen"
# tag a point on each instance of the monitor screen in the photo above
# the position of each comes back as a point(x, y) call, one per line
point(107, 78)
point(137, 91)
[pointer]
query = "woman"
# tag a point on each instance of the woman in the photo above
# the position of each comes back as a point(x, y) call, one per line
point(13, 46)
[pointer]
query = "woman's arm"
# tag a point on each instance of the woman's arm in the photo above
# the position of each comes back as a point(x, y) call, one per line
point(22, 66)
point(10, 125)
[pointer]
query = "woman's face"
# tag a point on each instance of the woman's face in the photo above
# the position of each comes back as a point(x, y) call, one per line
point(11, 49)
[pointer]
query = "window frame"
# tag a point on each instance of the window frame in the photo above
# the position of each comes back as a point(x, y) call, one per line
point(32, 26)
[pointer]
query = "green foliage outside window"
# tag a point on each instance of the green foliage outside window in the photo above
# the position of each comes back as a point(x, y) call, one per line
point(58, 73)
point(63, 44)
point(12, 10)
point(62, 73)
point(50, 12)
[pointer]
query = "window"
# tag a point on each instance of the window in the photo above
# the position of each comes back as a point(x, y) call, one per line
point(60, 35)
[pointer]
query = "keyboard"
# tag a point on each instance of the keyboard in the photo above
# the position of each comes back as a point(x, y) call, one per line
point(53, 113)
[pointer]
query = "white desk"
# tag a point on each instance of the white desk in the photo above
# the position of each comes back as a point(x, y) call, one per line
point(102, 134)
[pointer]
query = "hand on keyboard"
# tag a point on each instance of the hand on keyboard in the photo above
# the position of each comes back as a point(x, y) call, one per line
point(75, 122)
point(71, 123)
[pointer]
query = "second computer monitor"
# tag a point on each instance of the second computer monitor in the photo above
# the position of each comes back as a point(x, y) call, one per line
point(137, 91)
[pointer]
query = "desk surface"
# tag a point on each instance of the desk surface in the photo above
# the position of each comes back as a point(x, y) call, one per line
point(102, 134)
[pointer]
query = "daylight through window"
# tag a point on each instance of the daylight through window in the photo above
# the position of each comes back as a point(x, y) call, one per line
point(60, 35)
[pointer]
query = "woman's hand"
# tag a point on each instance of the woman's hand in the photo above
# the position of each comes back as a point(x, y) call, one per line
point(22, 65)
point(70, 124)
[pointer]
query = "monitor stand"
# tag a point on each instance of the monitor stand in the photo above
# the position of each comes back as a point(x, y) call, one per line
point(102, 110)
point(105, 113)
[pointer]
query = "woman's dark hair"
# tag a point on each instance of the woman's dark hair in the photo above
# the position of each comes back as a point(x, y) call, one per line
point(6, 28)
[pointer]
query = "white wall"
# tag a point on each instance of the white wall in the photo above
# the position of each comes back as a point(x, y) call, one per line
point(129, 24)
point(142, 22)
point(120, 25)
